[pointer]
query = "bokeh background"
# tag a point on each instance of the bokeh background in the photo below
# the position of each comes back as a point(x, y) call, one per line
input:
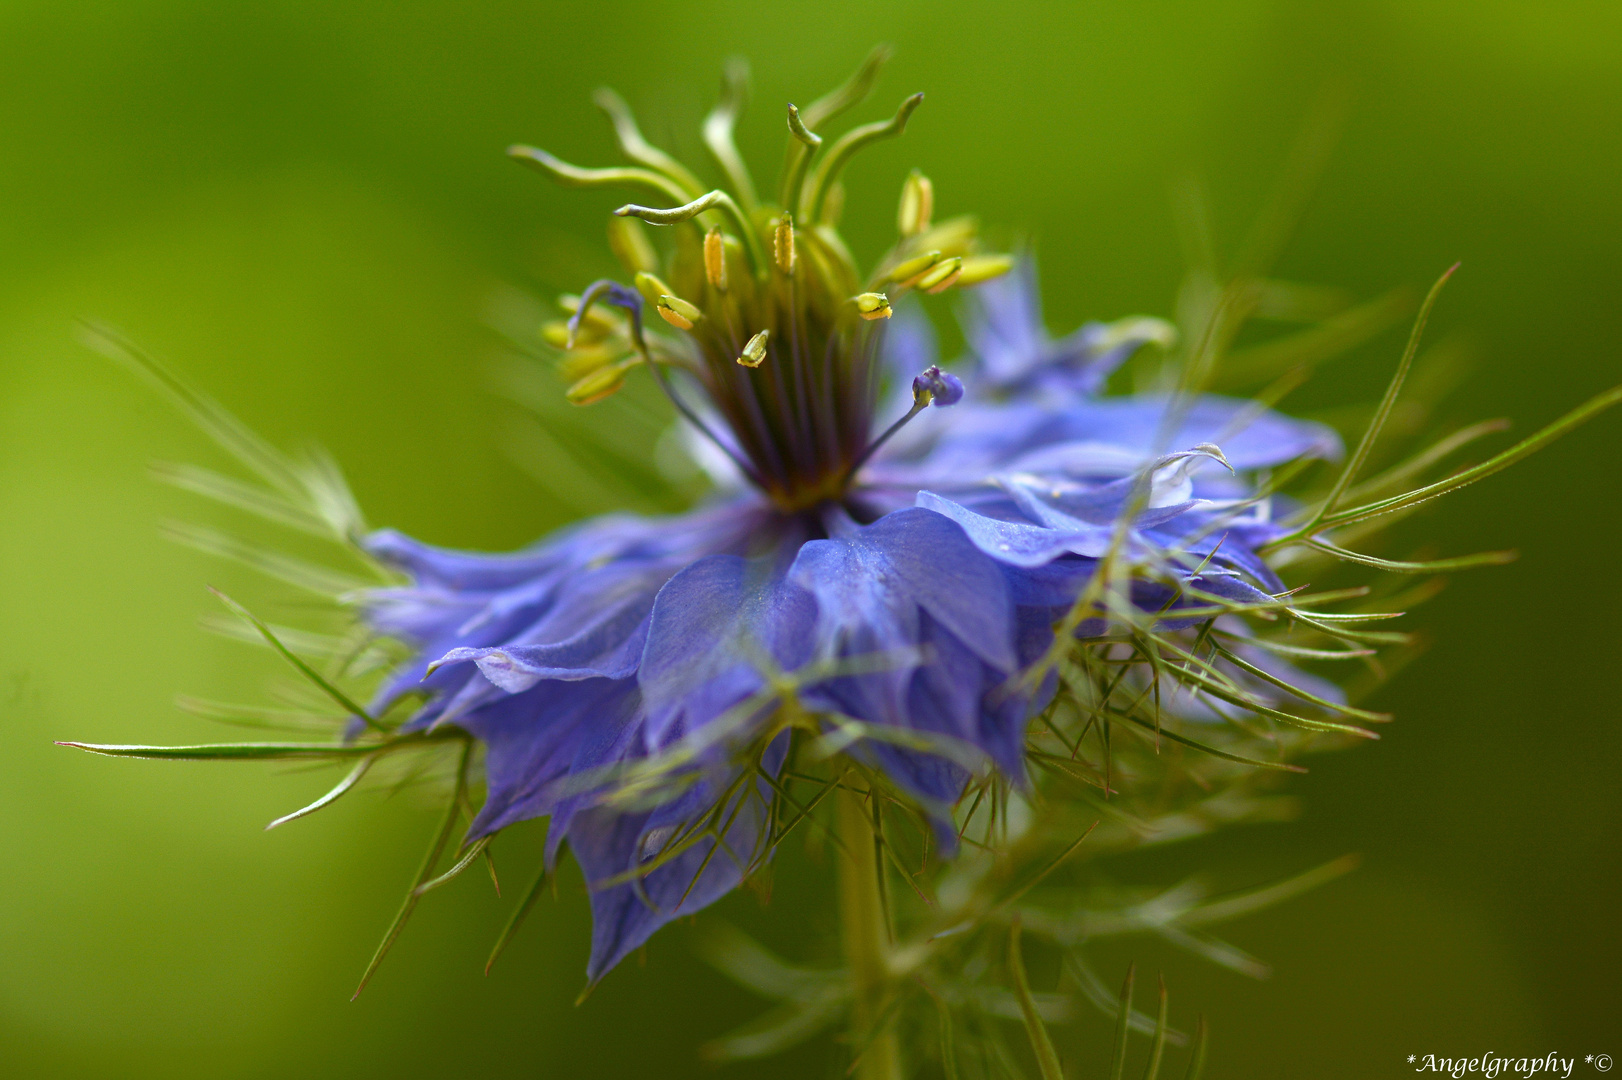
point(305, 208)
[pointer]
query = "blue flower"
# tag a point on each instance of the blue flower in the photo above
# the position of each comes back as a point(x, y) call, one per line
point(628, 676)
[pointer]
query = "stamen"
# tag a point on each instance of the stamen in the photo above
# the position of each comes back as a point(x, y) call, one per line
point(932, 386)
point(917, 204)
point(678, 312)
point(978, 268)
point(612, 292)
point(941, 276)
point(594, 387)
point(715, 260)
point(755, 351)
point(904, 272)
point(872, 305)
point(783, 243)
point(652, 286)
point(741, 292)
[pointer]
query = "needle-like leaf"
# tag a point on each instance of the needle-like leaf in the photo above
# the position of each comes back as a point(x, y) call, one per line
point(1047, 1058)
point(342, 699)
point(516, 919)
point(330, 797)
point(429, 861)
point(1196, 1063)
point(1122, 1026)
point(1158, 1048)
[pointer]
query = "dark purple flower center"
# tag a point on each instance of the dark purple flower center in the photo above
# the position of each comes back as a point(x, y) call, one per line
point(763, 305)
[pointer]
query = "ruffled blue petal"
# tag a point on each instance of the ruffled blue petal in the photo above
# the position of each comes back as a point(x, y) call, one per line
point(926, 619)
point(1095, 437)
point(634, 893)
point(1010, 346)
point(570, 607)
point(717, 630)
point(534, 741)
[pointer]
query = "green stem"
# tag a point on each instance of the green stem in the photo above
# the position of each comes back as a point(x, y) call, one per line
point(865, 933)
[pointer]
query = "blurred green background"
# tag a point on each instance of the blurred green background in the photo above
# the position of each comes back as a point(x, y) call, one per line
point(305, 207)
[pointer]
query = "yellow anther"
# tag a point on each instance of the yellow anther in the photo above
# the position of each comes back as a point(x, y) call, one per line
point(978, 268)
point(582, 360)
point(911, 268)
point(599, 384)
point(755, 351)
point(715, 260)
point(917, 204)
point(941, 276)
point(556, 334)
point(783, 244)
point(873, 305)
point(651, 287)
point(678, 312)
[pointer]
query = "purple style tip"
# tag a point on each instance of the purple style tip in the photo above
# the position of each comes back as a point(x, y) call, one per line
point(943, 387)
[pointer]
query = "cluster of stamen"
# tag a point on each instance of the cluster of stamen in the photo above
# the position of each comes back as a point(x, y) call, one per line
point(770, 316)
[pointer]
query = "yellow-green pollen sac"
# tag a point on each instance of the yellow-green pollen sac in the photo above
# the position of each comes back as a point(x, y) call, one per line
point(761, 302)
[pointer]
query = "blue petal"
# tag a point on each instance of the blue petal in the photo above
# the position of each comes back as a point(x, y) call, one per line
point(913, 559)
point(715, 628)
point(1106, 438)
point(569, 607)
point(536, 739)
point(609, 844)
point(608, 645)
point(1002, 320)
point(913, 588)
point(1020, 543)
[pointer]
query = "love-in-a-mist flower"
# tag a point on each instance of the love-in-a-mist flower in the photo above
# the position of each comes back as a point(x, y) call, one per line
point(984, 596)
point(888, 551)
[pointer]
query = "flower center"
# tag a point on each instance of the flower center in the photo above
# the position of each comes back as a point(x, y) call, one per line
point(771, 332)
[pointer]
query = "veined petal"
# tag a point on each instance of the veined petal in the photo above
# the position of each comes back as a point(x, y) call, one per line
point(913, 592)
point(535, 739)
point(716, 629)
point(640, 880)
point(904, 562)
point(1002, 321)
